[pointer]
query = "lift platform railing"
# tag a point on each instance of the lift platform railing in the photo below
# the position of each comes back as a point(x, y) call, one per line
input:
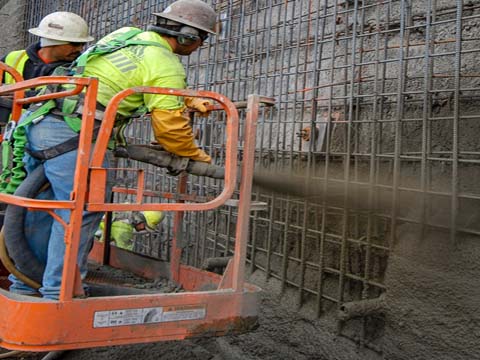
point(75, 322)
point(96, 201)
point(77, 203)
point(17, 77)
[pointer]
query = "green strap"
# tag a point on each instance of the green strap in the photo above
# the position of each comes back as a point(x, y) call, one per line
point(120, 42)
point(69, 106)
point(100, 49)
point(13, 171)
point(6, 173)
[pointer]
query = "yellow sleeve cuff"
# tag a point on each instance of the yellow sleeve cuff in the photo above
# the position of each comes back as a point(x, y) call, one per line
point(172, 130)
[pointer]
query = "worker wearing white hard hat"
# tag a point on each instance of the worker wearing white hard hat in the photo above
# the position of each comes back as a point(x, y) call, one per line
point(62, 38)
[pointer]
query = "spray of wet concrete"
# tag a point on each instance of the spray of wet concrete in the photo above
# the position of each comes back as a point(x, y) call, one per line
point(429, 311)
point(430, 307)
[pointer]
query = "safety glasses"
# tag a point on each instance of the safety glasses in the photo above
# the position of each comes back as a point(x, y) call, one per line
point(203, 35)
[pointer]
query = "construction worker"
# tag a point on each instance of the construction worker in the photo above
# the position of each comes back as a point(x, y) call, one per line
point(147, 58)
point(62, 38)
point(124, 224)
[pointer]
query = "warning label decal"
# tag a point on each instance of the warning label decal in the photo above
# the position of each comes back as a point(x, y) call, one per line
point(124, 317)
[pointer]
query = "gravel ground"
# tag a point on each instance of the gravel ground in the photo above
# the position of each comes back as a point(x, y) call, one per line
point(284, 333)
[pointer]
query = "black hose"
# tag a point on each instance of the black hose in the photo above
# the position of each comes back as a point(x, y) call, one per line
point(13, 229)
point(10, 266)
point(5, 109)
point(154, 155)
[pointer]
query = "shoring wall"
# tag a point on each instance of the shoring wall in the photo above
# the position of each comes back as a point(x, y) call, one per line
point(391, 89)
point(12, 18)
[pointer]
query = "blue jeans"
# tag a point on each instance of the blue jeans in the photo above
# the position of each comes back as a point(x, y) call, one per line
point(49, 246)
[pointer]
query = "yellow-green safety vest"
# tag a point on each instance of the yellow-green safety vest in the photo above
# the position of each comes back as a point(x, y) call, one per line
point(17, 60)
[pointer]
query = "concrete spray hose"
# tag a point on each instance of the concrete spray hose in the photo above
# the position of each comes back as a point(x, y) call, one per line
point(15, 253)
point(17, 257)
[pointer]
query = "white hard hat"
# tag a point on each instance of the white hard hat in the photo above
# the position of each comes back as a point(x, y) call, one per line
point(63, 26)
point(194, 13)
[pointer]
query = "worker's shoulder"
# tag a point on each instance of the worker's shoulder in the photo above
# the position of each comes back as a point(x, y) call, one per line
point(13, 54)
point(151, 43)
point(119, 32)
point(132, 34)
point(157, 51)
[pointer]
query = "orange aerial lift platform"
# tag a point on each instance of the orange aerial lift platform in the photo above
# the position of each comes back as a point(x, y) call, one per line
point(211, 304)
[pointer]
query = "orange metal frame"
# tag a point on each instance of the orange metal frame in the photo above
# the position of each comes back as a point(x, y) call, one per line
point(33, 324)
point(17, 111)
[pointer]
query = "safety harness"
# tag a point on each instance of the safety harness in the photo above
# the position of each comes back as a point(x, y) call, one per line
point(69, 109)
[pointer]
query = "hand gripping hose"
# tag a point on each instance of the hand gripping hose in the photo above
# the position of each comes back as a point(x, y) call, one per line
point(153, 154)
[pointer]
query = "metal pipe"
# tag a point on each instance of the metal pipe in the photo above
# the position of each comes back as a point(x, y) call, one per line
point(361, 308)
point(216, 262)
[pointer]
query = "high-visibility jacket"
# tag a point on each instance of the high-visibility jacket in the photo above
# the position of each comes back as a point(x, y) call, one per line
point(29, 64)
point(147, 65)
point(138, 66)
point(15, 59)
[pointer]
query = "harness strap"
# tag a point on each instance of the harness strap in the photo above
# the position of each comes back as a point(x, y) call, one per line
point(119, 42)
point(62, 148)
point(71, 106)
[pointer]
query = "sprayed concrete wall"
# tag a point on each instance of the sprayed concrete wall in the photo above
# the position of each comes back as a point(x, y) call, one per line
point(12, 18)
point(388, 92)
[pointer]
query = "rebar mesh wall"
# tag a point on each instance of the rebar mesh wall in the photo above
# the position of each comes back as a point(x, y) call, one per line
point(377, 97)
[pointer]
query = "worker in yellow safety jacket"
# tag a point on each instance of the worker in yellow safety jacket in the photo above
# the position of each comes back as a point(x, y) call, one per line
point(123, 227)
point(62, 38)
point(151, 60)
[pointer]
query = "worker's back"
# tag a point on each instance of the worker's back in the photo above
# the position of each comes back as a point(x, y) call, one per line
point(138, 65)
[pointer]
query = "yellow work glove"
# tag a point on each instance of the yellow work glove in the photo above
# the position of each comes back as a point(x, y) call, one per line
point(172, 130)
point(198, 104)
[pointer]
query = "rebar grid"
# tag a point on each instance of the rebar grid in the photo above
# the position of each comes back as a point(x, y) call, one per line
point(387, 91)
